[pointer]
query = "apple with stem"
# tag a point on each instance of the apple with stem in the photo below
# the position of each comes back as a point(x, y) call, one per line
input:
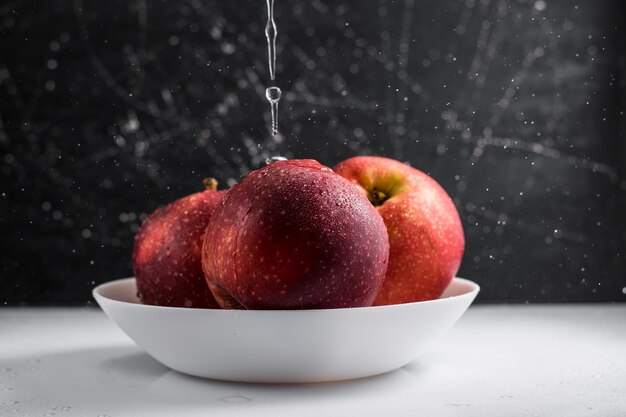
point(167, 256)
point(426, 241)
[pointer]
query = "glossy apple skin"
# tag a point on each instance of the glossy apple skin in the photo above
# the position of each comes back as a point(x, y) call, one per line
point(295, 235)
point(167, 257)
point(425, 232)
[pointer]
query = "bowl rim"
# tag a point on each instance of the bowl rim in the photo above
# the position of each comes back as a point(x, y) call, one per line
point(474, 289)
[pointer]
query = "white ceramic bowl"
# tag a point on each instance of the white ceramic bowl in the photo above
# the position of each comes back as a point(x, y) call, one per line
point(284, 345)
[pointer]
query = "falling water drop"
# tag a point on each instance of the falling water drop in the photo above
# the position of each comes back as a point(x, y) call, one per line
point(273, 96)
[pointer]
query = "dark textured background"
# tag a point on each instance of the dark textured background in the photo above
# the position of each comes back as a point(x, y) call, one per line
point(109, 109)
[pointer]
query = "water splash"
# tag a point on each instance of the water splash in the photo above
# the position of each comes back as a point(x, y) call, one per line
point(274, 159)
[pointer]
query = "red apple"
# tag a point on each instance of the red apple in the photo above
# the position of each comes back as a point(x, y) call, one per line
point(295, 235)
point(167, 258)
point(426, 240)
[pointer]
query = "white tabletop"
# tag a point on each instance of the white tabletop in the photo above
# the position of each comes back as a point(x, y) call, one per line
point(497, 361)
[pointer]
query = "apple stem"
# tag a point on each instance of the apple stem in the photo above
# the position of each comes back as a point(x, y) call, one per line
point(377, 197)
point(210, 184)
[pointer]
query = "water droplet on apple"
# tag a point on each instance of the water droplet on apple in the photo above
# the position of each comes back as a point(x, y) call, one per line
point(274, 159)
